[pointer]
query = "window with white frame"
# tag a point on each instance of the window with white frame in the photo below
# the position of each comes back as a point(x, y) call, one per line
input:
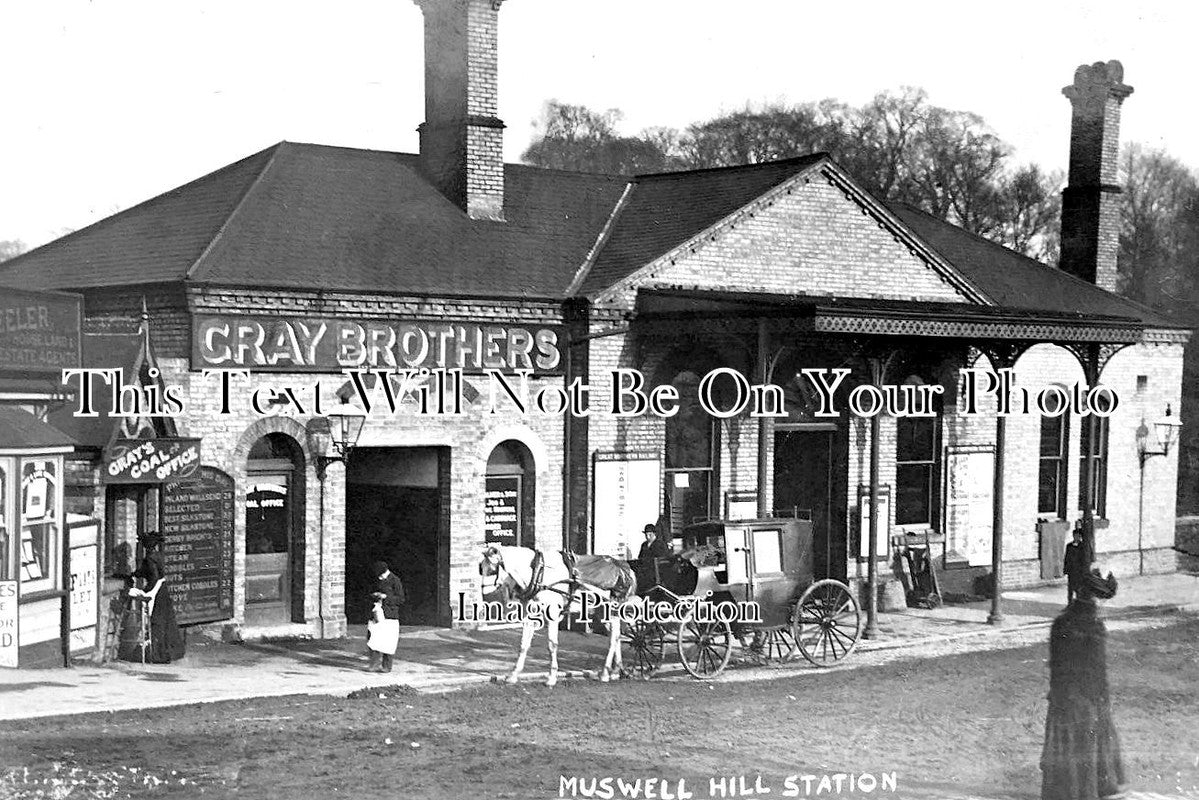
point(1051, 480)
point(41, 524)
point(917, 470)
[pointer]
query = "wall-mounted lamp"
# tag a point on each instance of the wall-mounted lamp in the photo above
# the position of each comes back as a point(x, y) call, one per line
point(340, 428)
point(1165, 433)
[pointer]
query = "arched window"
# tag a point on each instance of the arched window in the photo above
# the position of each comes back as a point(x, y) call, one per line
point(510, 493)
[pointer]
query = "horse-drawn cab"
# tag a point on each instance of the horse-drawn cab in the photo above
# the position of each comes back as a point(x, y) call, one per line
point(762, 568)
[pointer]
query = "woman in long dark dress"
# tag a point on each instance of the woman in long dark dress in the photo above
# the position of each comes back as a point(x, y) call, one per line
point(166, 640)
point(1081, 757)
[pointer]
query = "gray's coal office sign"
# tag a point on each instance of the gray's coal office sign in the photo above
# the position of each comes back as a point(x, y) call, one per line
point(151, 460)
point(323, 344)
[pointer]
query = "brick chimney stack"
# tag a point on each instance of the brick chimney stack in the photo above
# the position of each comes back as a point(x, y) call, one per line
point(461, 139)
point(1091, 200)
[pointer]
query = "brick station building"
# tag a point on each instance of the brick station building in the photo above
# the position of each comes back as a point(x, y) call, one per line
point(302, 260)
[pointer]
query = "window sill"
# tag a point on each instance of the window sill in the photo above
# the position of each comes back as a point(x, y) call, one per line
point(915, 536)
point(42, 594)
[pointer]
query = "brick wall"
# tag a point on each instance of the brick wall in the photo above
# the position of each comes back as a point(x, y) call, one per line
point(226, 439)
point(120, 309)
point(1187, 535)
point(807, 237)
point(469, 440)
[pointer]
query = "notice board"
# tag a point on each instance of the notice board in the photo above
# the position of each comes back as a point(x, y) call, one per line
point(501, 510)
point(969, 510)
point(84, 585)
point(627, 496)
point(197, 521)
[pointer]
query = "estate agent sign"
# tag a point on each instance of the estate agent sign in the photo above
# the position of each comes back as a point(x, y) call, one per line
point(39, 331)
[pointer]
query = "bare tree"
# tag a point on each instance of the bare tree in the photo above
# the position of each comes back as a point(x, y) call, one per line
point(574, 137)
point(10, 248)
point(1158, 233)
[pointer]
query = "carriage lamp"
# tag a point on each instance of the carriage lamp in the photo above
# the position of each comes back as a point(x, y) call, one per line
point(1165, 431)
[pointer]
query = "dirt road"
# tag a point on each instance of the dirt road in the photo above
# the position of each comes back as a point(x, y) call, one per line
point(959, 725)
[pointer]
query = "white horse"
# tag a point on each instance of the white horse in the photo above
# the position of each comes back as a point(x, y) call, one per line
point(550, 580)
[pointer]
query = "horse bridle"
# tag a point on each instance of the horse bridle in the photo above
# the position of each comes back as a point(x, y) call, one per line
point(526, 593)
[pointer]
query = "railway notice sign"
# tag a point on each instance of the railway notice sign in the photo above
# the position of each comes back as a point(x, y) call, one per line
point(627, 495)
point(197, 521)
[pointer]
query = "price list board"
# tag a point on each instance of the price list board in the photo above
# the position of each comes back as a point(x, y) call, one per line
point(197, 521)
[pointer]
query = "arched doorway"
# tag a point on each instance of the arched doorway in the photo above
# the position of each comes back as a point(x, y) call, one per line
point(510, 495)
point(274, 508)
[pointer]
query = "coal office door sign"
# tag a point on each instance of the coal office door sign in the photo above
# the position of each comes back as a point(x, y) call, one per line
point(197, 522)
point(501, 510)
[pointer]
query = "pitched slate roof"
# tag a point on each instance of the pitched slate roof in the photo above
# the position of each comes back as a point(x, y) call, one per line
point(1016, 281)
point(152, 242)
point(311, 216)
point(19, 430)
point(661, 211)
point(100, 351)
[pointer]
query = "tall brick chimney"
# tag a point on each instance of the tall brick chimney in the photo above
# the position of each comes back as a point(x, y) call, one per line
point(1091, 200)
point(461, 139)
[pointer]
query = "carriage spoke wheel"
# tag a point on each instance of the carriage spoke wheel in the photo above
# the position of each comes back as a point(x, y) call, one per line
point(705, 647)
point(826, 623)
point(772, 644)
point(647, 642)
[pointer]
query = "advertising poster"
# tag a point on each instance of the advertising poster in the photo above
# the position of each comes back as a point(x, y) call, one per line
point(9, 624)
point(487, 398)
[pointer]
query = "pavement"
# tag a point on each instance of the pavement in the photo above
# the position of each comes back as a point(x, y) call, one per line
point(432, 660)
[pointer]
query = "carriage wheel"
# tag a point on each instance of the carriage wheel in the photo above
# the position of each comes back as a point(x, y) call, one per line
point(826, 623)
point(647, 640)
point(772, 644)
point(705, 647)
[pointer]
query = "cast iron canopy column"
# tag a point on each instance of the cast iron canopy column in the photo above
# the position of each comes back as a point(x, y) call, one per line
point(1003, 355)
point(877, 363)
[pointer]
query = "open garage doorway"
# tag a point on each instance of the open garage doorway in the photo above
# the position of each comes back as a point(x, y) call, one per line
point(397, 510)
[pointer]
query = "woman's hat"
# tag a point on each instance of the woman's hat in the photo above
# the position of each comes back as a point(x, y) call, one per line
point(151, 538)
point(1095, 585)
point(379, 567)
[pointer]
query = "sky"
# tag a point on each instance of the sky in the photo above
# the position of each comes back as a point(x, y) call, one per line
point(110, 102)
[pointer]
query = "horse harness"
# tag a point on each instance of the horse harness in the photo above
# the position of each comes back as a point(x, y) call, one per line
point(538, 574)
